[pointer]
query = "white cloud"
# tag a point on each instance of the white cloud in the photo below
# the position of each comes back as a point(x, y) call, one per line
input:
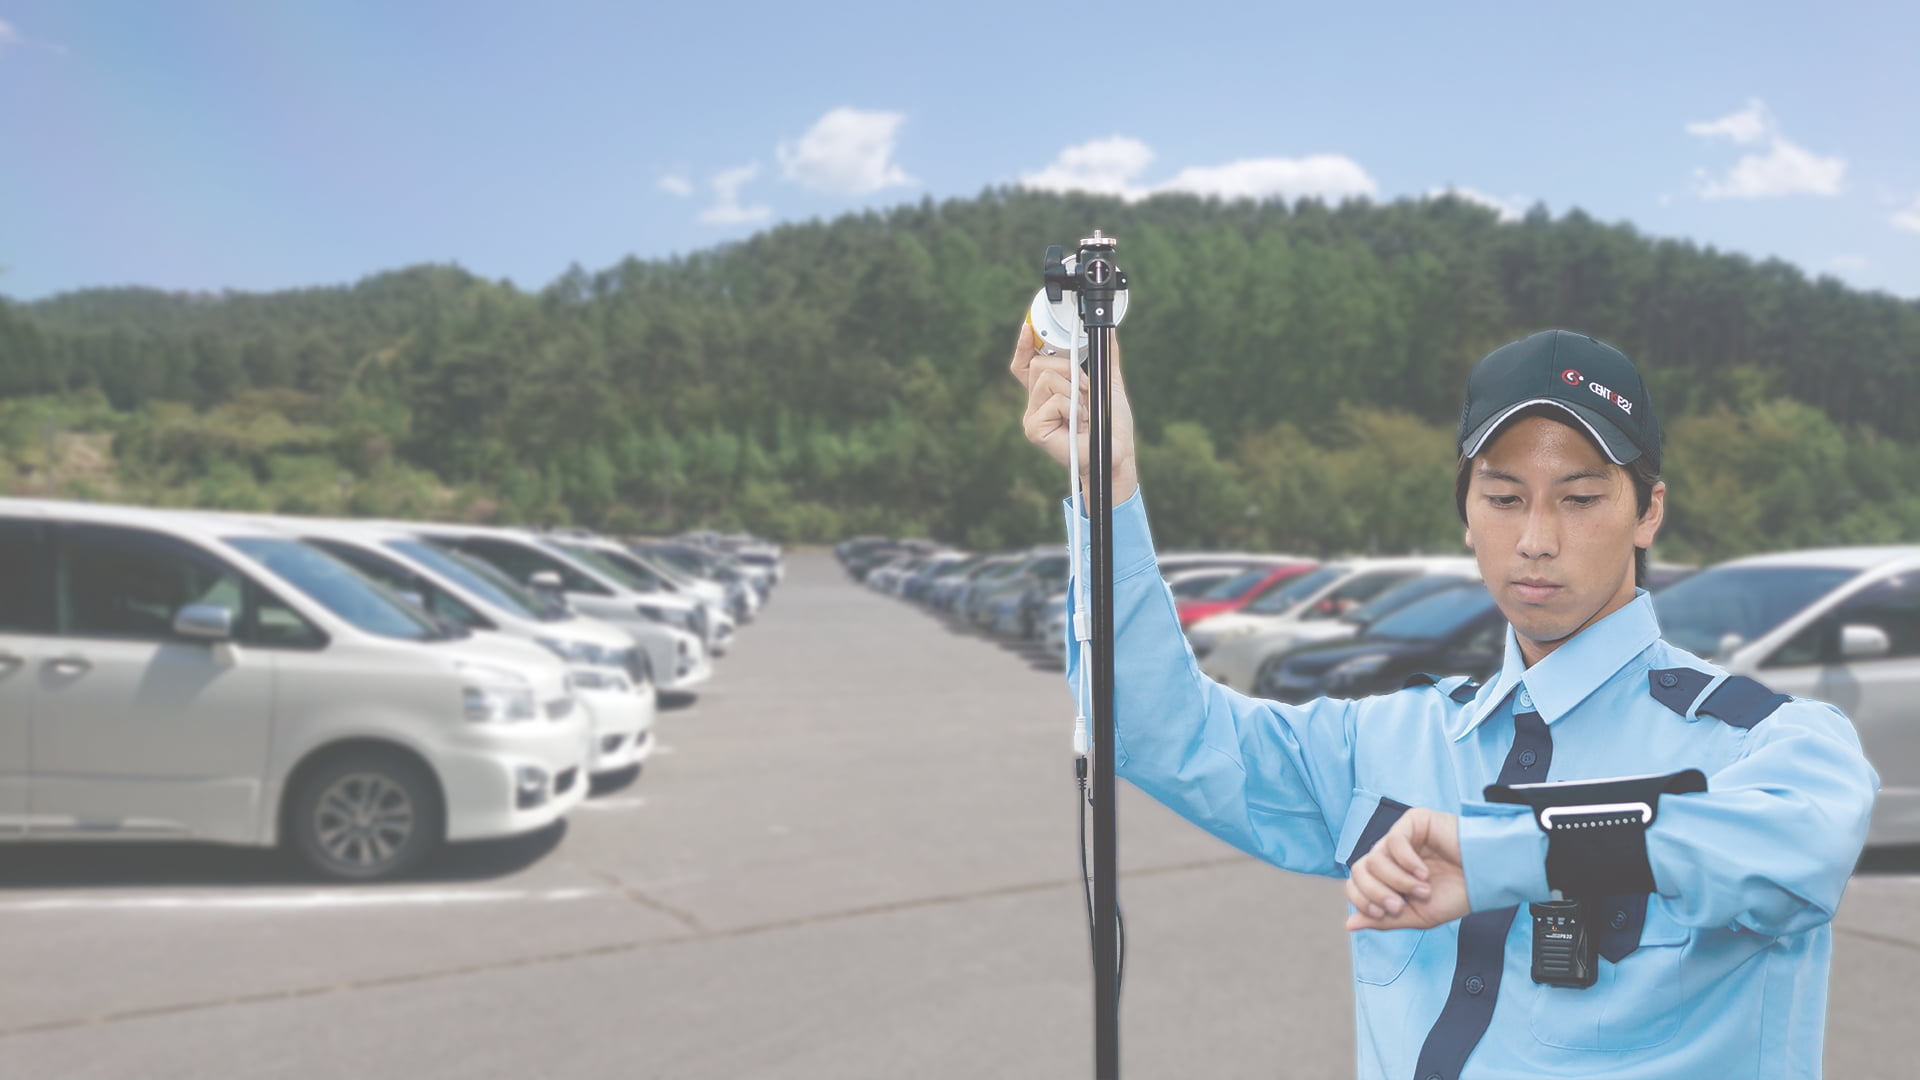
point(8, 35)
point(1747, 126)
point(675, 184)
point(1113, 165)
point(1318, 175)
point(1106, 166)
point(1908, 219)
point(1510, 209)
point(726, 208)
point(847, 152)
point(1849, 264)
point(1784, 168)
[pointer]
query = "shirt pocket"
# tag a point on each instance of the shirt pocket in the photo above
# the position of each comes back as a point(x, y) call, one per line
point(1379, 956)
point(1634, 1004)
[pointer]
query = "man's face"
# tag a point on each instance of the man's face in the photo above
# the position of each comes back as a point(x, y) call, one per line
point(1553, 525)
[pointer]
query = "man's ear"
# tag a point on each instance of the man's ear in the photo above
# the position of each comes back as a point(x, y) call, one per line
point(1649, 525)
point(1466, 537)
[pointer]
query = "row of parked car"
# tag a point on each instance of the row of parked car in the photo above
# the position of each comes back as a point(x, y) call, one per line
point(1840, 625)
point(357, 691)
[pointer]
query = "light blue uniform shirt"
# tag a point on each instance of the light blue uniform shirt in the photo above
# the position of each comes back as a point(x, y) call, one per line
point(1728, 976)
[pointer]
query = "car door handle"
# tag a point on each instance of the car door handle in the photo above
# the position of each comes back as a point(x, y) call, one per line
point(69, 665)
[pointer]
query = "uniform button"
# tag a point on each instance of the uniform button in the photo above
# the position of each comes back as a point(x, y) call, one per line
point(1526, 700)
point(1527, 758)
point(1619, 920)
point(1474, 985)
point(1669, 680)
point(1434, 1076)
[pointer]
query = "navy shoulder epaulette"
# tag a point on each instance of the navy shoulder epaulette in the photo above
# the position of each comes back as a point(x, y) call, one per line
point(1739, 701)
point(1462, 693)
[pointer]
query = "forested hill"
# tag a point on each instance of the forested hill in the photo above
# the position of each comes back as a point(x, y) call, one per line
point(1297, 372)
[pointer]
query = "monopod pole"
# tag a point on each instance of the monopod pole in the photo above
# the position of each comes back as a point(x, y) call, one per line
point(1098, 316)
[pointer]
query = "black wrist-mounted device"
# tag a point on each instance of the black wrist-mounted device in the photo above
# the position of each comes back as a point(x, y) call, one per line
point(1596, 847)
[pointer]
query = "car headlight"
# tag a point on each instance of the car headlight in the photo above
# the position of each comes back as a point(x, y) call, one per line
point(632, 662)
point(597, 679)
point(678, 618)
point(1348, 672)
point(496, 696)
point(573, 652)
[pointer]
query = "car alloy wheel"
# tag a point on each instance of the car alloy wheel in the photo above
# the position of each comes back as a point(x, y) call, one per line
point(365, 816)
point(363, 820)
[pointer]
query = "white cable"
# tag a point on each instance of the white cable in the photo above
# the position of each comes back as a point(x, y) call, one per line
point(1077, 624)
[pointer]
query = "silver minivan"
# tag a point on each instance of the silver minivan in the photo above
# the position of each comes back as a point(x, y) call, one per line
point(164, 676)
point(1840, 625)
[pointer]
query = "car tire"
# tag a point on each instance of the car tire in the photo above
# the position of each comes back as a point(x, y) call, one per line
point(367, 815)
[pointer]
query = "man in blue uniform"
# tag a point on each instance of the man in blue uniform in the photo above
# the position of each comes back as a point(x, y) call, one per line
point(1704, 915)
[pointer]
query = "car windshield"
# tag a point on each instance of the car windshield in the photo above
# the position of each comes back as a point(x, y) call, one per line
point(1236, 585)
point(1047, 569)
point(1400, 596)
point(1436, 616)
point(604, 561)
point(1717, 610)
point(551, 608)
point(644, 565)
point(1286, 595)
point(339, 588)
point(685, 561)
point(501, 593)
point(961, 567)
point(1192, 587)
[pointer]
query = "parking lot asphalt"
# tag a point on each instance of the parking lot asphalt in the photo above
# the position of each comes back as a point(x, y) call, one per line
point(852, 856)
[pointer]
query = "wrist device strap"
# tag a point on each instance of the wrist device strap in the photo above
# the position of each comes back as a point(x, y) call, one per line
point(1597, 829)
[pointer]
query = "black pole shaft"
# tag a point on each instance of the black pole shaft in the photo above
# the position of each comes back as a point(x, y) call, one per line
point(1106, 898)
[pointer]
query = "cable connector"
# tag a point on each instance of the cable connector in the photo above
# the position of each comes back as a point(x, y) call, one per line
point(1080, 742)
point(1082, 627)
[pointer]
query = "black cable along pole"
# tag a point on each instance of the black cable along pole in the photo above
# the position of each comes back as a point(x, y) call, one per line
point(1099, 280)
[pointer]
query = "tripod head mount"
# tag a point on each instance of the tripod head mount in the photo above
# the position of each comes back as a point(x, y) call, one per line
point(1100, 294)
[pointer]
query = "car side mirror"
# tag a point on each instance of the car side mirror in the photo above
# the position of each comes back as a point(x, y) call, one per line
point(204, 622)
point(548, 580)
point(1860, 642)
point(1729, 642)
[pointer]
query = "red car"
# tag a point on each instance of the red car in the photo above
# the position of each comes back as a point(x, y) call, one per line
point(1237, 590)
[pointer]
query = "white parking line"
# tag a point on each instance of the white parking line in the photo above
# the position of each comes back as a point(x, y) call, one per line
point(632, 802)
point(298, 902)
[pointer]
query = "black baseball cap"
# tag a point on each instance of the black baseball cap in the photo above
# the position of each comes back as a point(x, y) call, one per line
point(1590, 379)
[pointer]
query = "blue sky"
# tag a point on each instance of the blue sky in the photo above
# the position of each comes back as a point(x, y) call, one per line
point(208, 145)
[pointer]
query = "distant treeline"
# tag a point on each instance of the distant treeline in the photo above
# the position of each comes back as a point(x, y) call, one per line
point(1296, 369)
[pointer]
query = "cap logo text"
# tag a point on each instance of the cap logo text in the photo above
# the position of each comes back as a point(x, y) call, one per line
point(1625, 405)
point(1572, 377)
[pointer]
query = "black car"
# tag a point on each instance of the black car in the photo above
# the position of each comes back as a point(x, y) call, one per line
point(1457, 631)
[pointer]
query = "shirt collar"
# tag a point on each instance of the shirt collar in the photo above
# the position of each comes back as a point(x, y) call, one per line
point(1571, 672)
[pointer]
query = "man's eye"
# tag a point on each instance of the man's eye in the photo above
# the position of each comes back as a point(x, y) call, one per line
point(1583, 500)
point(1504, 500)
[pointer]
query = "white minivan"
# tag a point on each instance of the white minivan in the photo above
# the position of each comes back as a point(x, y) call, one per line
point(610, 674)
point(671, 628)
point(166, 676)
point(643, 575)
